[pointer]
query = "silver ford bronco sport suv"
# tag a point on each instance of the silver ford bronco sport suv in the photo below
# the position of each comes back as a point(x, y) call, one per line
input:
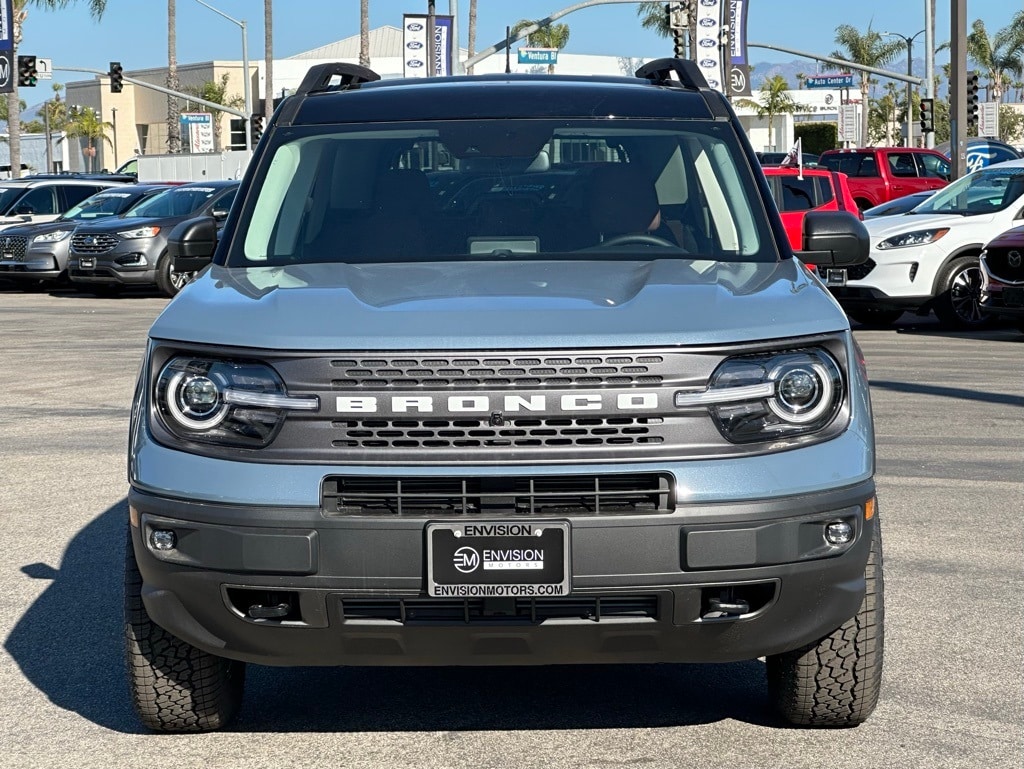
point(503, 370)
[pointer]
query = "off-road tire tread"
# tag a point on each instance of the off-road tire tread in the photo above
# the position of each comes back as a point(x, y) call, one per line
point(175, 687)
point(835, 682)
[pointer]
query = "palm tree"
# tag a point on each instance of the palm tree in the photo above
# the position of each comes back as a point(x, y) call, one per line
point(550, 36)
point(86, 124)
point(173, 129)
point(217, 92)
point(998, 55)
point(653, 16)
point(869, 50)
point(472, 34)
point(20, 7)
point(364, 32)
point(268, 56)
point(775, 100)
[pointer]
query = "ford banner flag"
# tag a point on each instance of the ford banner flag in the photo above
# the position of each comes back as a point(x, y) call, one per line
point(426, 53)
point(709, 44)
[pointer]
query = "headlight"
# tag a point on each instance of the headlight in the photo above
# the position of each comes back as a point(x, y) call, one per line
point(917, 238)
point(140, 232)
point(229, 403)
point(52, 237)
point(770, 396)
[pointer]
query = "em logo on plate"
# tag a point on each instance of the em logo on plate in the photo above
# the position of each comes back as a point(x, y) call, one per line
point(466, 560)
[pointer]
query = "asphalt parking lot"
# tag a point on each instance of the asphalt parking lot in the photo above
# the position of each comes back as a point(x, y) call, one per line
point(949, 409)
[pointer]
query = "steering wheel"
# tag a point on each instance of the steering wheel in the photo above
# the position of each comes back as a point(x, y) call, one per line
point(637, 239)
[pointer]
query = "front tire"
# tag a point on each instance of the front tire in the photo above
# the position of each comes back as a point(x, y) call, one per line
point(168, 280)
point(958, 301)
point(835, 681)
point(175, 687)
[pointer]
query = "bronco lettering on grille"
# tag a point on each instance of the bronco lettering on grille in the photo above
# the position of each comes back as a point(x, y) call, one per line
point(484, 404)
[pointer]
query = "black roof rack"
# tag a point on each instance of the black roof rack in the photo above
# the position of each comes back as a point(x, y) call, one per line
point(689, 74)
point(319, 78)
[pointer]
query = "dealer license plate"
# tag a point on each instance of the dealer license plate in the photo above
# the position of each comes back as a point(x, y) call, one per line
point(1013, 296)
point(87, 263)
point(498, 558)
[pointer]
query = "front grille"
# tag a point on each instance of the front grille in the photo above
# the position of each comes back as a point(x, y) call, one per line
point(98, 243)
point(857, 272)
point(541, 371)
point(611, 494)
point(12, 248)
point(998, 262)
point(480, 433)
point(521, 611)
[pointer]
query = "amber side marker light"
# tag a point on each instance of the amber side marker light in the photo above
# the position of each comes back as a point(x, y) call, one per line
point(133, 517)
point(869, 509)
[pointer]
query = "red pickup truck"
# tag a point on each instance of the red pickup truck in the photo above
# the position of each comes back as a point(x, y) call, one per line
point(880, 174)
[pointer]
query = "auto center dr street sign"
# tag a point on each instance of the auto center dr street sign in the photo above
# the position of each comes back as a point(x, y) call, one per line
point(841, 80)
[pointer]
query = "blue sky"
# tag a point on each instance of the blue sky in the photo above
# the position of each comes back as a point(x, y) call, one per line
point(134, 31)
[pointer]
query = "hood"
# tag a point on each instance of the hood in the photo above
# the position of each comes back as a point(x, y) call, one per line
point(117, 223)
point(41, 228)
point(488, 305)
point(881, 227)
point(1010, 239)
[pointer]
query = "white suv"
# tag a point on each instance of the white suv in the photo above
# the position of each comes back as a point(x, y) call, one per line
point(928, 259)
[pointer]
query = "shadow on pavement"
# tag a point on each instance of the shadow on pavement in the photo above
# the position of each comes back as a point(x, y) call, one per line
point(69, 645)
point(959, 393)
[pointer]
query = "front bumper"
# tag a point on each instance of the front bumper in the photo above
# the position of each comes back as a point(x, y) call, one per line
point(37, 263)
point(356, 585)
point(131, 263)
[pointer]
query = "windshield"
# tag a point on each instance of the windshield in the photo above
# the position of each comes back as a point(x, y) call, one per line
point(983, 192)
point(102, 204)
point(525, 189)
point(178, 201)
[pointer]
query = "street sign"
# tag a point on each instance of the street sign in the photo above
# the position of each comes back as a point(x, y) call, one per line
point(988, 119)
point(197, 131)
point(538, 56)
point(44, 69)
point(841, 80)
point(849, 125)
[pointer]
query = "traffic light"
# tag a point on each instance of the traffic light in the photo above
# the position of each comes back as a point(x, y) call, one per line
point(676, 21)
point(116, 77)
point(927, 115)
point(256, 127)
point(972, 99)
point(27, 74)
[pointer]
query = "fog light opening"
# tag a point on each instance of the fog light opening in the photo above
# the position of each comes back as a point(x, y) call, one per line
point(838, 533)
point(163, 540)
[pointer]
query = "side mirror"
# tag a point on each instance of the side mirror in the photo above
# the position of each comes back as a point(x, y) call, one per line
point(192, 242)
point(220, 214)
point(834, 239)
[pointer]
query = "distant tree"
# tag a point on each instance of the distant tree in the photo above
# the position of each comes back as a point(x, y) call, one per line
point(774, 100)
point(173, 113)
point(20, 7)
point(364, 33)
point(550, 36)
point(84, 123)
point(869, 49)
point(471, 50)
point(268, 56)
point(1011, 124)
point(1000, 54)
point(653, 16)
point(217, 92)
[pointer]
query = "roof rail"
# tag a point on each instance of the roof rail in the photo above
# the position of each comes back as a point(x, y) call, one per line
point(318, 78)
point(689, 74)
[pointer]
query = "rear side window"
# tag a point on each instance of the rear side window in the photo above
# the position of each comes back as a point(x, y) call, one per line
point(40, 201)
point(76, 193)
point(852, 164)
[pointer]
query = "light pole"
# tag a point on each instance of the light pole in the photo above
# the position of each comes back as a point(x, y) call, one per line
point(245, 66)
point(113, 123)
point(910, 89)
